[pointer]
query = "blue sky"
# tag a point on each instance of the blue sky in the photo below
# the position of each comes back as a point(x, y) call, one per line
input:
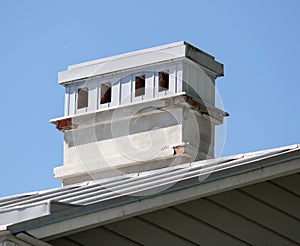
point(257, 41)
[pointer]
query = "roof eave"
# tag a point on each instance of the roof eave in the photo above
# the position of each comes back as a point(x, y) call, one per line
point(76, 219)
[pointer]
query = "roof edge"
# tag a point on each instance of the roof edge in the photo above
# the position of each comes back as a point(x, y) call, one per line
point(254, 171)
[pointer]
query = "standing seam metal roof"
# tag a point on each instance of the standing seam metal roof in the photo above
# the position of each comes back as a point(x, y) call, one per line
point(87, 193)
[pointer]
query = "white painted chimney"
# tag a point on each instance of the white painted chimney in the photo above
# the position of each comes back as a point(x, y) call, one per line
point(138, 111)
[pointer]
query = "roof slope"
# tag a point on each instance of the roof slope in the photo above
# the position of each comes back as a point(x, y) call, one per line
point(265, 213)
point(46, 213)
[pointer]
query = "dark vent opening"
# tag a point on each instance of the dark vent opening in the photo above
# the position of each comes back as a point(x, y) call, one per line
point(83, 98)
point(140, 85)
point(105, 93)
point(163, 81)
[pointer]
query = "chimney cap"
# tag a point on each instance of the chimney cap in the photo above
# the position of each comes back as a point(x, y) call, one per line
point(164, 53)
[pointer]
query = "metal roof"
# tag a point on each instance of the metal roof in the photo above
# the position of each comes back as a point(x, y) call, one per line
point(264, 213)
point(111, 192)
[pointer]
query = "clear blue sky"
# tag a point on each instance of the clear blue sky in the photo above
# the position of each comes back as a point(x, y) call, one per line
point(258, 42)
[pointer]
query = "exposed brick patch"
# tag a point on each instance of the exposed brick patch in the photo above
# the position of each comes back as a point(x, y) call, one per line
point(179, 150)
point(65, 124)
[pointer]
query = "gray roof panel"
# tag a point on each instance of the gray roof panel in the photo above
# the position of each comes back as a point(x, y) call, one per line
point(127, 188)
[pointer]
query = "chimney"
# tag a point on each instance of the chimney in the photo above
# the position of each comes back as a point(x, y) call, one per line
point(138, 111)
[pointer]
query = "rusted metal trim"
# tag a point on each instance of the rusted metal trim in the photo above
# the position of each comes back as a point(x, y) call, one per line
point(204, 108)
